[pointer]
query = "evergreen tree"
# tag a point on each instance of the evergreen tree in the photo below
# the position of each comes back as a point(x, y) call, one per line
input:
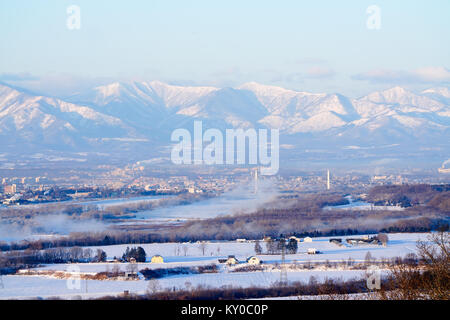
point(136, 253)
point(101, 255)
point(140, 255)
point(281, 245)
point(292, 246)
point(126, 255)
point(271, 246)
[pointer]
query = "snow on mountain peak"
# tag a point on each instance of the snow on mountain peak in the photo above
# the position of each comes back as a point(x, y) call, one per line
point(263, 89)
point(442, 91)
point(146, 109)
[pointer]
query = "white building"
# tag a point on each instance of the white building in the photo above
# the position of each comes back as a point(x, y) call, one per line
point(253, 260)
point(232, 260)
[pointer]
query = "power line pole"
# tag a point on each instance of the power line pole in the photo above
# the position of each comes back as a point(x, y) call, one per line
point(256, 180)
point(283, 272)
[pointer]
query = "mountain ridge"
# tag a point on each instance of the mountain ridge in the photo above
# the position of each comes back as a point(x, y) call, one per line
point(150, 111)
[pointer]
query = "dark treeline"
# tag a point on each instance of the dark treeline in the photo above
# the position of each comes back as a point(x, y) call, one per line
point(84, 239)
point(328, 287)
point(12, 261)
point(184, 234)
point(150, 274)
point(436, 196)
point(305, 216)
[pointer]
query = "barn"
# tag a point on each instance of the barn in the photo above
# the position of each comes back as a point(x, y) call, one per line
point(232, 260)
point(253, 260)
point(157, 259)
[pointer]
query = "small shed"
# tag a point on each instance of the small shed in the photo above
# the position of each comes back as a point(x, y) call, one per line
point(312, 251)
point(337, 241)
point(157, 259)
point(307, 239)
point(253, 260)
point(131, 275)
point(232, 260)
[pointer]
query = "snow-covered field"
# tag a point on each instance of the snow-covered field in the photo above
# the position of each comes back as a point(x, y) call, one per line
point(400, 244)
point(26, 286)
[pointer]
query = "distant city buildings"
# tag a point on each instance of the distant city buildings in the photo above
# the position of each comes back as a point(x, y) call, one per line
point(10, 189)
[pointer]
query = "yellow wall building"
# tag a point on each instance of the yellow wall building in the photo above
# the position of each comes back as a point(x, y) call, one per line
point(157, 259)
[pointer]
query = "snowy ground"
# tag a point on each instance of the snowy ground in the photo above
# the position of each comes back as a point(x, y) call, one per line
point(400, 244)
point(24, 286)
point(361, 205)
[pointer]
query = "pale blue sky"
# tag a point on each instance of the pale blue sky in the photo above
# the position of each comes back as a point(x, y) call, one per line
point(304, 45)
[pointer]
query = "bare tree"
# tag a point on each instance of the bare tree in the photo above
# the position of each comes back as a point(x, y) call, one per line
point(258, 248)
point(88, 254)
point(428, 279)
point(115, 270)
point(153, 287)
point(368, 259)
point(185, 249)
point(202, 246)
point(132, 267)
point(76, 253)
point(383, 238)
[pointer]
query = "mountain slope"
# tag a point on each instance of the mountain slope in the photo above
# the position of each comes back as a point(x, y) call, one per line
point(150, 111)
point(26, 118)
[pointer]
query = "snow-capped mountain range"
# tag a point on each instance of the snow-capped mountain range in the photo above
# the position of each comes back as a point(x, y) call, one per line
point(148, 111)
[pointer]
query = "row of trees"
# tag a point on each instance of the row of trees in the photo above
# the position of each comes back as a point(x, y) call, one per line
point(276, 246)
point(138, 254)
point(29, 257)
point(411, 195)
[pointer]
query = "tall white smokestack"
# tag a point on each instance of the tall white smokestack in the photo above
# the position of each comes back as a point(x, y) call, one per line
point(256, 180)
point(328, 179)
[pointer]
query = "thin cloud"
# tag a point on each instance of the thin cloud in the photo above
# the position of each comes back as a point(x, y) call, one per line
point(314, 72)
point(310, 60)
point(319, 72)
point(23, 76)
point(420, 75)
